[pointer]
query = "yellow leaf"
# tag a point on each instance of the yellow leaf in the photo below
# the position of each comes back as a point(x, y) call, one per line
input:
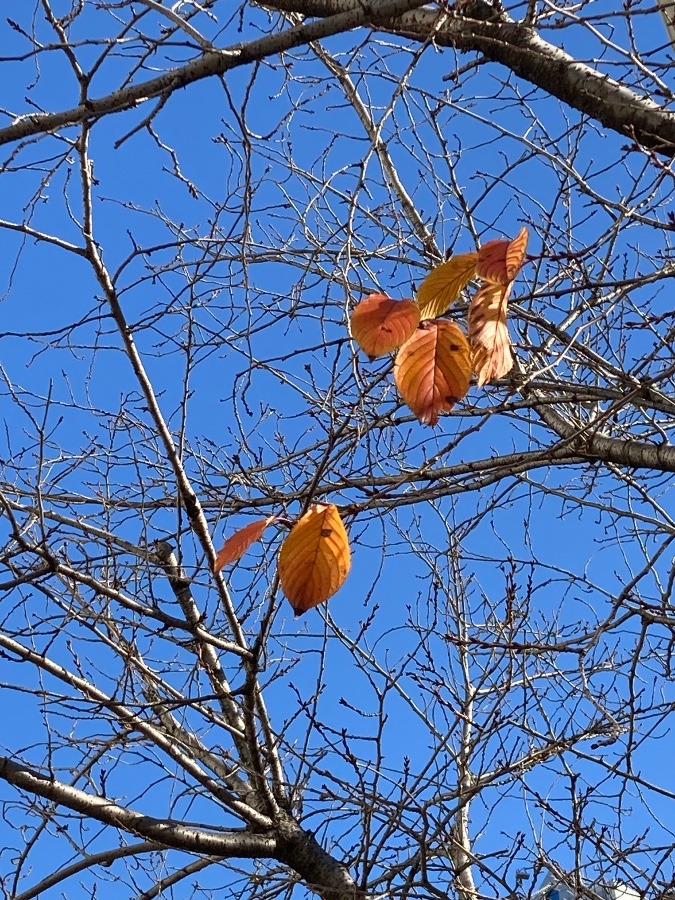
point(380, 324)
point(444, 284)
point(488, 334)
point(433, 370)
point(315, 558)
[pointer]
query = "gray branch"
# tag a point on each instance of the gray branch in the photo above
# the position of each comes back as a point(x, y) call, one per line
point(287, 842)
point(211, 63)
point(166, 832)
point(519, 48)
point(593, 444)
point(104, 858)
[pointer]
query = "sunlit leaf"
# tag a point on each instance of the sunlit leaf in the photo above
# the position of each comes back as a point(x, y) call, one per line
point(488, 334)
point(380, 324)
point(239, 542)
point(433, 370)
point(315, 558)
point(500, 261)
point(444, 284)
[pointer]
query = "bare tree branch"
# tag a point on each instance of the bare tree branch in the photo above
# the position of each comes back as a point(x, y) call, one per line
point(485, 29)
point(164, 832)
point(207, 65)
point(103, 858)
point(483, 697)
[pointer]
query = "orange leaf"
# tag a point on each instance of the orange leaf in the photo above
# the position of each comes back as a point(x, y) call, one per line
point(488, 334)
point(239, 542)
point(433, 370)
point(500, 261)
point(315, 558)
point(444, 284)
point(380, 324)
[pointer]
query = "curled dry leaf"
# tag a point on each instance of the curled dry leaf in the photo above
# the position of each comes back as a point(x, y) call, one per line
point(433, 370)
point(444, 284)
point(500, 261)
point(488, 334)
point(315, 558)
point(380, 324)
point(239, 542)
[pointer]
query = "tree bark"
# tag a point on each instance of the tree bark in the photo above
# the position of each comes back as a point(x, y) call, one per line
point(212, 62)
point(488, 30)
point(286, 842)
point(242, 844)
point(300, 850)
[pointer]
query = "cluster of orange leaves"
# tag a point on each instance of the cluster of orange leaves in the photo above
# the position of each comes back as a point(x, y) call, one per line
point(435, 358)
point(432, 371)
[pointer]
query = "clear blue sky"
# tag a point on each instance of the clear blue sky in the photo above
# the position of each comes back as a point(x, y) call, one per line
point(56, 341)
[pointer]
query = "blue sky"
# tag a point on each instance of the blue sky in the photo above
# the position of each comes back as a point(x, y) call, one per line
point(319, 229)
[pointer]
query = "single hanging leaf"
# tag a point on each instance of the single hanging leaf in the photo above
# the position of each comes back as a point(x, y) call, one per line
point(380, 324)
point(488, 334)
point(239, 542)
point(444, 284)
point(433, 370)
point(500, 261)
point(315, 558)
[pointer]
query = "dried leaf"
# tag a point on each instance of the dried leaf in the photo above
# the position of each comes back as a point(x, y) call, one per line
point(488, 334)
point(315, 558)
point(444, 284)
point(433, 370)
point(380, 324)
point(239, 542)
point(500, 261)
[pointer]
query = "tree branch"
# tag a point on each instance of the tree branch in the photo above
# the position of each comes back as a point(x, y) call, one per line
point(132, 721)
point(216, 62)
point(300, 850)
point(163, 831)
point(520, 49)
point(104, 858)
point(158, 889)
point(631, 453)
point(289, 843)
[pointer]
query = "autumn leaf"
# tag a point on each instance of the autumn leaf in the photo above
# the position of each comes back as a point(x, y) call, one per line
point(315, 558)
point(238, 543)
point(433, 370)
point(380, 324)
point(488, 334)
point(500, 261)
point(444, 284)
